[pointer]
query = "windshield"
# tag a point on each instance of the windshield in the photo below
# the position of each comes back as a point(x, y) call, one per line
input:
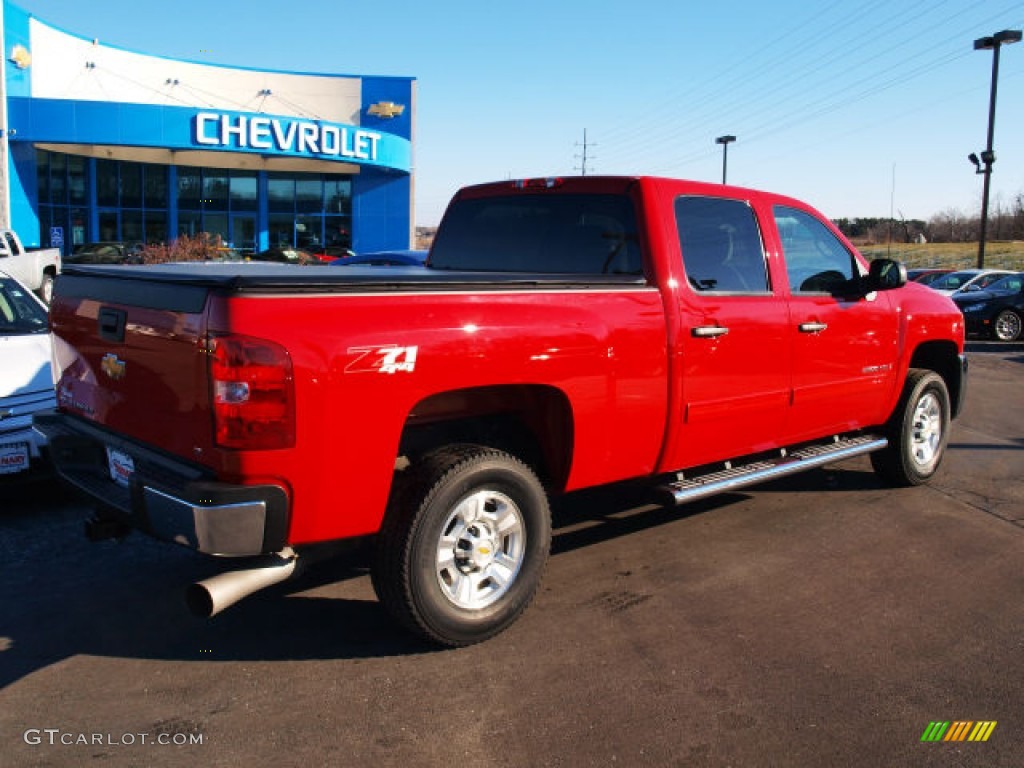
point(19, 312)
point(1009, 284)
point(953, 281)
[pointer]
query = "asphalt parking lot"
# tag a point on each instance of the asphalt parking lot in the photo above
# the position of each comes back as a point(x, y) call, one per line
point(818, 621)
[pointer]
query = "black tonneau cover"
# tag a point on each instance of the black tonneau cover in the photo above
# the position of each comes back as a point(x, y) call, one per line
point(250, 277)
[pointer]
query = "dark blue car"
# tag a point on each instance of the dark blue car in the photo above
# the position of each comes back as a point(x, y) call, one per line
point(397, 258)
point(995, 311)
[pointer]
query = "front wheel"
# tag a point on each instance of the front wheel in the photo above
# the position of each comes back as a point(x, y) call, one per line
point(918, 431)
point(463, 545)
point(46, 288)
point(1007, 326)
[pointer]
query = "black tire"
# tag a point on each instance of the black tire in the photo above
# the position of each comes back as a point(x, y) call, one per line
point(463, 545)
point(1007, 326)
point(918, 431)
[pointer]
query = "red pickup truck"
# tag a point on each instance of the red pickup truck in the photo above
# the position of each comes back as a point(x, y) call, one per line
point(566, 333)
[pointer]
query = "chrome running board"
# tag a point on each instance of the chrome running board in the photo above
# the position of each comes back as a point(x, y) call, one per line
point(733, 477)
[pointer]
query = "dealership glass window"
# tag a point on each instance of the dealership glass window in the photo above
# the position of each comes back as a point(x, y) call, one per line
point(190, 187)
point(216, 224)
point(281, 229)
point(309, 194)
point(308, 234)
point(244, 191)
point(219, 202)
point(77, 181)
point(190, 223)
point(58, 180)
point(309, 210)
point(156, 226)
point(215, 190)
point(125, 191)
point(63, 191)
point(131, 185)
point(107, 183)
point(131, 227)
point(108, 225)
point(338, 196)
point(281, 193)
point(43, 175)
point(77, 220)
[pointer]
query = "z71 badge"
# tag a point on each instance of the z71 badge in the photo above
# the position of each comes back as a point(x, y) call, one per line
point(389, 358)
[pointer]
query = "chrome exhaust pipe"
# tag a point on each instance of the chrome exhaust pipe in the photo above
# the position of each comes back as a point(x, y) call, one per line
point(210, 596)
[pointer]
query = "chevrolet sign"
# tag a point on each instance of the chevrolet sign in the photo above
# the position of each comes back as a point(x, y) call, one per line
point(304, 137)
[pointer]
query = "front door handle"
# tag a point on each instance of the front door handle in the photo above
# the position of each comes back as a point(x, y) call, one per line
point(708, 331)
point(813, 327)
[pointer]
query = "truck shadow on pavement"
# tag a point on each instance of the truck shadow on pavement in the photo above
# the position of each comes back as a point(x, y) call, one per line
point(66, 597)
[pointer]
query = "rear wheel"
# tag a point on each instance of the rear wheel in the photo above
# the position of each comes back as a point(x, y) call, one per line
point(917, 431)
point(1007, 326)
point(463, 545)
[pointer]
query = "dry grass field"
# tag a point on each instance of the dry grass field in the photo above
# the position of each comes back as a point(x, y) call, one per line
point(998, 255)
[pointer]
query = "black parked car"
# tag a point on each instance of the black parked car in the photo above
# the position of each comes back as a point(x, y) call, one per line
point(996, 311)
point(106, 252)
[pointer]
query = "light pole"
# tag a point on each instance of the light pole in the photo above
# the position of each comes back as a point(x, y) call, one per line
point(724, 141)
point(988, 157)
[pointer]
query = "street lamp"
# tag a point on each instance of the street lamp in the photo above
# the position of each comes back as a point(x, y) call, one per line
point(724, 141)
point(988, 157)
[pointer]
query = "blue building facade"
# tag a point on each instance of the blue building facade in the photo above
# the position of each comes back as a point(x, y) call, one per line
point(102, 143)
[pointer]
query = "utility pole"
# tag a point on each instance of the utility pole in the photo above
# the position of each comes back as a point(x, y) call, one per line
point(582, 167)
point(988, 156)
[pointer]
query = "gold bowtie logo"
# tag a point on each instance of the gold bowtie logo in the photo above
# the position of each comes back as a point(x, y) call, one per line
point(386, 109)
point(113, 367)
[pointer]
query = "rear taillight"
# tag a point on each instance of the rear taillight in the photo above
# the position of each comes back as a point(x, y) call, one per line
point(253, 393)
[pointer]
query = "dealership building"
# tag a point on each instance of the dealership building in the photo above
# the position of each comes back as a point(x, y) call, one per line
point(103, 143)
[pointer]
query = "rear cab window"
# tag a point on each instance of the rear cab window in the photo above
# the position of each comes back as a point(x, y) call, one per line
point(551, 233)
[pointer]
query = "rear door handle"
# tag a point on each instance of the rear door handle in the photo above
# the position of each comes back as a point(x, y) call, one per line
point(813, 327)
point(708, 331)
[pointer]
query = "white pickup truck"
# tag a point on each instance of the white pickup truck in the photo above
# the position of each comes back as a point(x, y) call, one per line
point(35, 268)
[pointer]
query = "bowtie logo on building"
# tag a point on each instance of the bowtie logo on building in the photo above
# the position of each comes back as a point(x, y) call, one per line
point(386, 109)
point(20, 57)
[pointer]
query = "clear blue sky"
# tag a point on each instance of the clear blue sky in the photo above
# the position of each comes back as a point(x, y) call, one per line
point(855, 107)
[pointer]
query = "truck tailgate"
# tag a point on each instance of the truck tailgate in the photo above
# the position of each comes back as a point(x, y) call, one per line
point(130, 357)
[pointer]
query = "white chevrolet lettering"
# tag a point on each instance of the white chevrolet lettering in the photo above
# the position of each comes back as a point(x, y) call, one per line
point(298, 136)
point(259, 133)
point(201, 134)
point(284, 140)
point(308, 138)
point(227, 130)
point(330, 140)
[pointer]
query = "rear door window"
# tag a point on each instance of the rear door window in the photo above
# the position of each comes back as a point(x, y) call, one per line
point(721, 245)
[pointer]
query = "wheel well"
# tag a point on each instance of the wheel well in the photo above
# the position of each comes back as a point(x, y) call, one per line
point(51, 271)
point(532, 422)
point(943, 358)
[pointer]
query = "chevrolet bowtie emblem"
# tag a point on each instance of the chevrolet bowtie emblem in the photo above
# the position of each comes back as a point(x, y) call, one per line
point(387, 109)
point(20, 56)
point(113, 367)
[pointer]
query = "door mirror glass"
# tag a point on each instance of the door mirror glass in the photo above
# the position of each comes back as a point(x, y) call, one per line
point(885, 275)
